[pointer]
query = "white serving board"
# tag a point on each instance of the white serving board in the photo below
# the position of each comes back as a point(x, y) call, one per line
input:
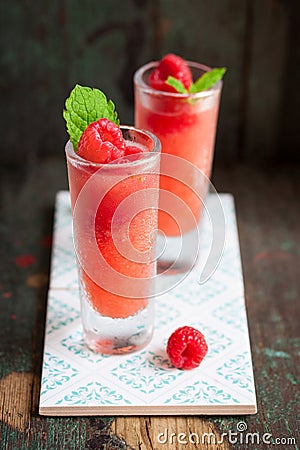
point(76, 381)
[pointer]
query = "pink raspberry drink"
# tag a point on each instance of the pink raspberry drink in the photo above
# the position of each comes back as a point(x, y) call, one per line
point(113, 176)
point(185, 123)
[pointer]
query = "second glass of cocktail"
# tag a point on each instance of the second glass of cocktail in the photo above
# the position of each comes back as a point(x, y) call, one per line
point(185, 123)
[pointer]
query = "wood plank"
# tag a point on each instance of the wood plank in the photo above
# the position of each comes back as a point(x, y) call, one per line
point(146, 433)
point(265, 59)
point(270, 244)
point(290, 113)
point(18, 397)
point(44, 55)
point(267, 202)
point(212, 33)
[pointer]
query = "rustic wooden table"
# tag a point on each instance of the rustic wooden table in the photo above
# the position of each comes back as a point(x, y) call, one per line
point(268, 211)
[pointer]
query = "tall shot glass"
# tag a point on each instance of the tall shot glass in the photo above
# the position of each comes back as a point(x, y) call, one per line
point(114, 209)
point(186, 126)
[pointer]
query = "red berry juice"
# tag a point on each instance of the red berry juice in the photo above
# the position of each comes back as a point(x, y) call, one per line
point(114, 221)
point(186, 126)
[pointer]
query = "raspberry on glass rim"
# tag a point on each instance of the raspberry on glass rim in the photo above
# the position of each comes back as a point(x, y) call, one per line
point(102, 142)
point(170, 65)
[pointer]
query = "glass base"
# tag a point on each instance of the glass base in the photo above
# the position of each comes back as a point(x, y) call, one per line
point(110, 336)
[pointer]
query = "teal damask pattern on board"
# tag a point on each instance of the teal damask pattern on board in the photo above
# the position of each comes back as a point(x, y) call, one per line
point(63, 261)
point(56, 373)
point(217, 341)
point(60, 314)
point(93, 392)
point(230, 263)
point(74, 343)
point(194, 292)
point(146, 372)
point(165, 313)
point(64, 267)
point(238, 371)
point(201, 392)
point(232, 313)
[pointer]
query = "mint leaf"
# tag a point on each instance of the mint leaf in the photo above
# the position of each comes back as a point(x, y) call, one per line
point(171, 81)
point(84, 106)
point(207, 80)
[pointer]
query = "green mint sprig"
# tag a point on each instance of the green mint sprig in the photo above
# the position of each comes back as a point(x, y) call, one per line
point(84, 106)
point(171, 81)
point(205, 82)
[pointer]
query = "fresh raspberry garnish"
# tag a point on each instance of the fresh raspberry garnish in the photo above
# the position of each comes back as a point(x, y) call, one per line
point(102, 142)
point(132, 150)
point(186, 348)
point(170, 65)
point(133, 153)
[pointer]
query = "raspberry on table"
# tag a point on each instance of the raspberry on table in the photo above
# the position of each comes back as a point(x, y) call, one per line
point(186, 348)
point(102, 142)
point(170, 65)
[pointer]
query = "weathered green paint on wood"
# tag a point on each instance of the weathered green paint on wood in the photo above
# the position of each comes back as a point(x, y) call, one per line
point(270, 246)
point(47, 47)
